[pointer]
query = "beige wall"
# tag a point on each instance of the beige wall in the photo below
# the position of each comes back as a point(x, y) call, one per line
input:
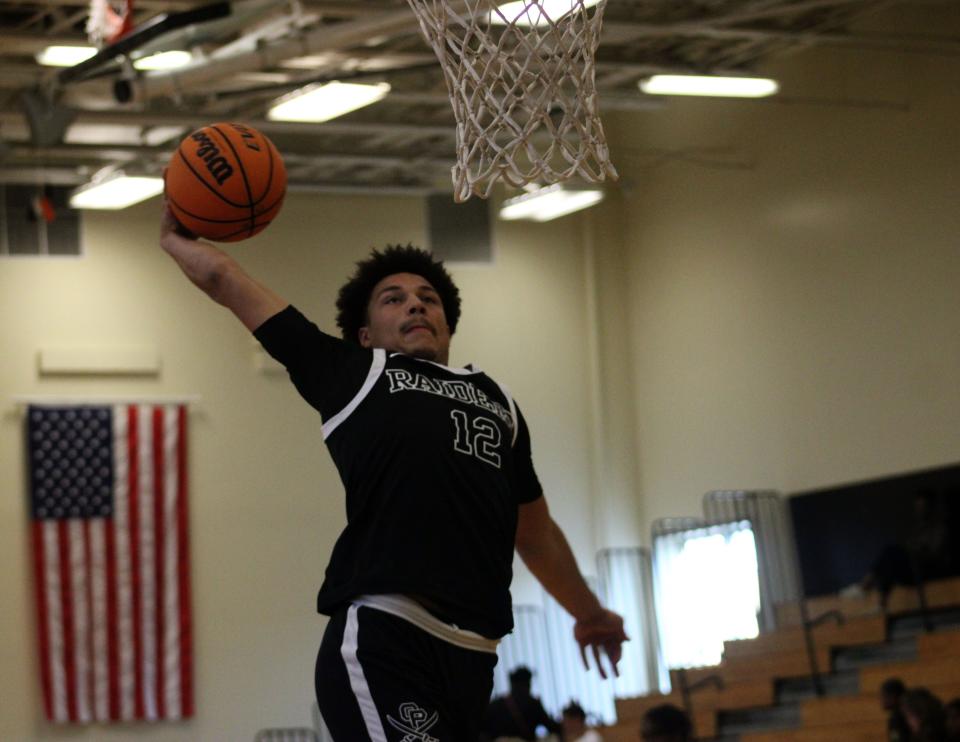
point(266, 504)
point(793, 315)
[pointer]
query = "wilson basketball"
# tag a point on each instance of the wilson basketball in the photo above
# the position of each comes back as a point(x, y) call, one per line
point(225, 182)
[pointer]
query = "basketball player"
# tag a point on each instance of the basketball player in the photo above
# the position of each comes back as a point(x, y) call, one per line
point(440, 489)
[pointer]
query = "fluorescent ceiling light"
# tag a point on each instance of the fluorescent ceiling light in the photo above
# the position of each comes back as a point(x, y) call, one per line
point(530, 13)
point(65, 56)
point(271, 78)
point(544, 204)
point(158, 135)
point(325, 102)
point(115, 191)
point(710, 85)
point(164, 61)
point(102, 134)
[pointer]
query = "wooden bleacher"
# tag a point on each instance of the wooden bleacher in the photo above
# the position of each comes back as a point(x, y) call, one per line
point(939, 594)
point(859, 708)
point(764, 666)
point(862, 731)
point(854, 631)
point(926, 673)
point(938, 645)
point(751, 668)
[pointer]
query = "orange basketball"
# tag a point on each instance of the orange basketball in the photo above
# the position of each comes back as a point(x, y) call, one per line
point(225, 182)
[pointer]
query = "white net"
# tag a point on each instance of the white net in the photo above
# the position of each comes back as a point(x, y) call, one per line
point(521, 80)
point(108, 21)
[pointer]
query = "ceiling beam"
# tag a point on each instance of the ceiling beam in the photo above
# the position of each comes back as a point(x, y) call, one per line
point(41, 175)
point(157, 5)
point(625, 33)
point(196, 120)
point(782, 9)
point(69, 20)
point(17, 43)
point(328, 37)
point(91, 154)
point(33, 176)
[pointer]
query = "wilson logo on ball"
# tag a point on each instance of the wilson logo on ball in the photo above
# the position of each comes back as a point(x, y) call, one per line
point(225, 182)
point(217, 164)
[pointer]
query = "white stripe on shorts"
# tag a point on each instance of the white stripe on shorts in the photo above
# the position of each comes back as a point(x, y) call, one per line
point(358, 682)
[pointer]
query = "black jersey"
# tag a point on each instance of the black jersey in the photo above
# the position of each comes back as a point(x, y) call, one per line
point(435, 462)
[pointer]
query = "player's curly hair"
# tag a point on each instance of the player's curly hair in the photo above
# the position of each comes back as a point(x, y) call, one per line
point(354, 295)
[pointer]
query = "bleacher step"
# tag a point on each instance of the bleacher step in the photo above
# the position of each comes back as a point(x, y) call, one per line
point(896, 650)
point(912, 625)
point(784, 716)
point(838, 683)
point(851, 675)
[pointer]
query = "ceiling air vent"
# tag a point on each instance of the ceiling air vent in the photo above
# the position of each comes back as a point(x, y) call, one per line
point(38, 221)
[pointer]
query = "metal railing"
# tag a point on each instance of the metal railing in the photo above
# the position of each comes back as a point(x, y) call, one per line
point(808, 626)
point(920, 583)
point(687, 689)
point(921, 586)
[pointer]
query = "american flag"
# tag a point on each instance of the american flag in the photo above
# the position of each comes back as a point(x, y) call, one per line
point(109, 512)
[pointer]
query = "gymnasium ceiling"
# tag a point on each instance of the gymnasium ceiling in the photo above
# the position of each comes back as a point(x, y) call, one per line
point(265, 48)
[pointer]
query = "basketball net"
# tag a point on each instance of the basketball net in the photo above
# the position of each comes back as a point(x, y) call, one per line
point(521, 80)
point(106, 25)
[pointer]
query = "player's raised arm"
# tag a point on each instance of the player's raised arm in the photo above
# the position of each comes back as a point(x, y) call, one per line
point(544, 549)
point(219, 276)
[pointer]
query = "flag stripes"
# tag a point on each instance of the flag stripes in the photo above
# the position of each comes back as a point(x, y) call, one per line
point(113, 594)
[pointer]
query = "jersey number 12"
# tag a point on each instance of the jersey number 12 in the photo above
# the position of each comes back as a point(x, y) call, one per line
point(478, 436)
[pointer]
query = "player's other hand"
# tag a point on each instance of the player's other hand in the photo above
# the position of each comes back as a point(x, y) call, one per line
point(602, 630)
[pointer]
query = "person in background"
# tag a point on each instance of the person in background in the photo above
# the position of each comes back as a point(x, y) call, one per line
point(574, 725)
point(519, 713)
point(925, 716)
point(952, 711)
point(891, 692)
point(926, 555)
point(666, 723)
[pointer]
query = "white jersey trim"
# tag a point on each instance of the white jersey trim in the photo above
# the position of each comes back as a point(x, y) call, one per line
point(465, 371)
point(410, 610)
point(513, 411)
point(376, 369)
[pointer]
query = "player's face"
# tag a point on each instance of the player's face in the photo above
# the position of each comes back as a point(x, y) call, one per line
point(405, 314)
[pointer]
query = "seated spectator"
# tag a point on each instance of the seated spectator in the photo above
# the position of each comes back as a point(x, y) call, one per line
point(925, 716)
point(926, 555)
point(952, 710)
point(517, 714)
point(666, 723)
point(891, 692)
point(574, 724)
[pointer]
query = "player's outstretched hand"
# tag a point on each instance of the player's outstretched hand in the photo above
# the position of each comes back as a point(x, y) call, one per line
point(170, 228)
point(205, 265)
point(603, 630)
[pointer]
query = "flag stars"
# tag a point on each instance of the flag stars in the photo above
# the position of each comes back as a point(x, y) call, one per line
point(71, 460)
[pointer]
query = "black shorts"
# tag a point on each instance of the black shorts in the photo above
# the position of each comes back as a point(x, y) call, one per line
point(382, 679)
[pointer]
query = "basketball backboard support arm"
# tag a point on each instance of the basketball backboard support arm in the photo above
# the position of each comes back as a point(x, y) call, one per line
point(140, 36)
